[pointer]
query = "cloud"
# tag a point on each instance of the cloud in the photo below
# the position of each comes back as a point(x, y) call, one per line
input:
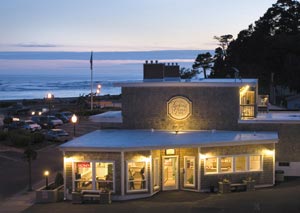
point(34, 45)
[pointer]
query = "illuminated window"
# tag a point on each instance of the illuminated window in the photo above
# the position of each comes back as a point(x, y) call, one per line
point(211, 165)
point(247, 102)
point(83, 176)
point(226, 164)
point(255, 163)
point(94, 176)
point(136, 176)
point(104, 176)
point(240, 163)
point(189, 171)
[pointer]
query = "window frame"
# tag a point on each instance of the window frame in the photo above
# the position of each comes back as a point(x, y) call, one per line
point(93, 168)
point(128, 190)
point(247, 166)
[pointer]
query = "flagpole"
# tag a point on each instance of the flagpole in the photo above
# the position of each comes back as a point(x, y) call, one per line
point(91, 62)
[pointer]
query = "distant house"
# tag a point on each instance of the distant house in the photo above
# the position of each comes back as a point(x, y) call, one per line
point(293, 102)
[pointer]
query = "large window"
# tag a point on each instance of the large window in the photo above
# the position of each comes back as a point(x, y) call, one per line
point(247, 102)
point(83, 176)
point(255, 163)
point(240, 163)
point(104, 176)
point(94, 176)
point(226, 164)
point(189, 171)
point(136, 176)
point(211, 165)
point(230, 164)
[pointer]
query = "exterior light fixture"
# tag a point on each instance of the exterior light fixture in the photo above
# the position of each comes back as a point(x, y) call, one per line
point(46, 174)
point(74, 121)
point(170, 151)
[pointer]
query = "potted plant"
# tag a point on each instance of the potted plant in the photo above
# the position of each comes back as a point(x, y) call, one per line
point(52, 192)
point(224, 186)
point(250, 184)
point(105, 196)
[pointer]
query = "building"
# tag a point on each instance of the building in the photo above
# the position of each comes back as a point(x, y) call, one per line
point(181, 135)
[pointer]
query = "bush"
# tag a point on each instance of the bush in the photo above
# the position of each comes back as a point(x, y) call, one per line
point(59, 179)
point(38, 137)
point(3, 135)
point(19, 137)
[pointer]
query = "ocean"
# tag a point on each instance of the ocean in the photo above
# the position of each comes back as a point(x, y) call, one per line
point(30, 75)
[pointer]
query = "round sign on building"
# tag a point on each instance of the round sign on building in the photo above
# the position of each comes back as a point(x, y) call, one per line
point(179, 108)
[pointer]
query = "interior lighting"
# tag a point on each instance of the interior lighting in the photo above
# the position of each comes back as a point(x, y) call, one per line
point(244, 89)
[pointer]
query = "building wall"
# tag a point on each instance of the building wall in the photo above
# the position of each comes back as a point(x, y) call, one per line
point(264, 177)
point(288, 147)
point(95, 156)
point(213, 108)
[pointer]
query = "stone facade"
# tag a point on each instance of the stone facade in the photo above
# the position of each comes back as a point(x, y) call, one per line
point(288, 147)
point(213, 108)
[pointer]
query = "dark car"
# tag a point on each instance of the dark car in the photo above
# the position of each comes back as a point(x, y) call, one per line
point(64, 116)
point(58, 135)
point(47, 122)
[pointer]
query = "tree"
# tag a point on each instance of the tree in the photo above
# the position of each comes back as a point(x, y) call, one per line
point(204, 61)
point(29, 155)
point(268, 49)
point(187, 73)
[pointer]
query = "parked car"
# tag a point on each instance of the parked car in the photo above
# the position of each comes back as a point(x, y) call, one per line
point(30, 125)
point(58, 135)
point(64, 116)
point(47, 122)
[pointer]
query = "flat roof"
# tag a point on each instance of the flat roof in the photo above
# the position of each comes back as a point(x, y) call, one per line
point(130, 140)
point(107, 117)
point(211, 82)
point(287, 117)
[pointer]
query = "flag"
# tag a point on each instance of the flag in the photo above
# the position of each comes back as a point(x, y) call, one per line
point(91, 60)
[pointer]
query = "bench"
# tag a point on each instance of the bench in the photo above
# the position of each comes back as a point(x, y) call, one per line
point(238, 187)
point(90, 195)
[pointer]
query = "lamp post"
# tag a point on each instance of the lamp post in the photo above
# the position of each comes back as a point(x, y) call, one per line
point(49, 97)
point(74, 121)
point(98, 92)
point(46, 173)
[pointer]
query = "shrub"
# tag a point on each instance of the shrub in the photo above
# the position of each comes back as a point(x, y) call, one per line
point(38, 137)
point(19, 137)
point(59, 179)
point(3, 135)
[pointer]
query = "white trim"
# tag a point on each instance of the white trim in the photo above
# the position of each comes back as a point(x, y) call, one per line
point(194, 172)
point(93, 168)
point(156, 173)
point(145, 174)
point(233, 160)
point(176, 186)
point(199, 169)
point(150, 180)
point(122, 174)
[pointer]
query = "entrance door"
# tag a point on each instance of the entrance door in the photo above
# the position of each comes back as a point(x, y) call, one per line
point(170, 172)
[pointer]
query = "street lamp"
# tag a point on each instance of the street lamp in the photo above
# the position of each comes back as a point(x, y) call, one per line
point(98, 92)
point(74, 121)
point(46, 173)
point(49, 97)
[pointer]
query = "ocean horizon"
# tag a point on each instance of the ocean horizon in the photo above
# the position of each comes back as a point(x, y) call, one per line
point(30, 75)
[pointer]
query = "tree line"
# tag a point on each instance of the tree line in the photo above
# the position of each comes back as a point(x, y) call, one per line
point(268, 50)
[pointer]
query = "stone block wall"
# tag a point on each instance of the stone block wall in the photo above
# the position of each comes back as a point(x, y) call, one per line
point(288, 147)
point(264, 177)
point(212, 108)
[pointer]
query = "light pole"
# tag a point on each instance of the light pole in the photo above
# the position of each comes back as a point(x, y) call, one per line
point(46, 173)
point(74, 121)
point(49, 97)
point(98, 92)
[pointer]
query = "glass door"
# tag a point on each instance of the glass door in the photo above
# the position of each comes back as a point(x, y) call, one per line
point(189, 171)
point(170, 172)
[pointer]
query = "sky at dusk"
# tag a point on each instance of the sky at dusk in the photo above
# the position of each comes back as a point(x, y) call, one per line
point(122, 25)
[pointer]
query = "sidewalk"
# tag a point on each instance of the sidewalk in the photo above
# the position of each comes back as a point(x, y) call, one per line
point(22, 200)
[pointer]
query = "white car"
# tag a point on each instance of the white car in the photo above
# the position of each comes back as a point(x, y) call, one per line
point(31, 126)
